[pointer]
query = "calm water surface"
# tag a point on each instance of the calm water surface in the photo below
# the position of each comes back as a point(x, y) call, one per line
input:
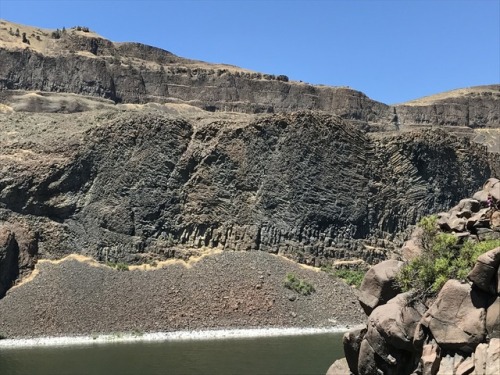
point(301, 355)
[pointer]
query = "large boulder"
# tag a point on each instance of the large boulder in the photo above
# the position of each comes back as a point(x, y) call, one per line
point(397, 320)
point(367, 362)
point(466, 207)
point(493, 319)
point(466, 367)
point(391, 360)
point(339, 367)
point(480, 219)
point(352, 343)
point(457, 318)
point(483, 275)
point(491, 186)
point(449, 364)
point(379, 285)
point(413, 247)
point(495, 220)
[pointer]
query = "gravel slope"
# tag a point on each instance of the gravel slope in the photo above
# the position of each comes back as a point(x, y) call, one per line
point(222, 290)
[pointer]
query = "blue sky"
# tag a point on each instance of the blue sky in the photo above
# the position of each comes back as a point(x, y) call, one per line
point(392, 50)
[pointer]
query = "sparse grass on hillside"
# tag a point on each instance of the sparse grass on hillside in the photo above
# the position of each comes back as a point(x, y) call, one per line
point(118, 266)
point(292, 282)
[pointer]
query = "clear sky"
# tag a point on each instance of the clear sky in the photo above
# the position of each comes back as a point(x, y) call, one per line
point(392, 50)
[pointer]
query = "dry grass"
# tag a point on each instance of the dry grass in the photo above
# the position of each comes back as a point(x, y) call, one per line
point(477, 90)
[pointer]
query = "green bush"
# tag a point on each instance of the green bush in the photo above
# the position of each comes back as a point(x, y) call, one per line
point(298, 285)
point(349, 276)
point(441, 259)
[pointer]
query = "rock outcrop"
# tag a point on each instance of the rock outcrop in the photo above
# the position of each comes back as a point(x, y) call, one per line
point(85, 63)
point(136, 186)
point(457, 332)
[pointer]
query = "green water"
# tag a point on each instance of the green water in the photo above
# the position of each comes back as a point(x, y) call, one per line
point(301, 355)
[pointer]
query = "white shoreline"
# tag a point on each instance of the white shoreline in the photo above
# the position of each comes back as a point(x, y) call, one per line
point(220, 334)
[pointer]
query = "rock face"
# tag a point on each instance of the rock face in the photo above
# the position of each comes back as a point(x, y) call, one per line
point(202, 155)
point(136, 186)
point(85, 63)
point(455, 333)
point(9, 252)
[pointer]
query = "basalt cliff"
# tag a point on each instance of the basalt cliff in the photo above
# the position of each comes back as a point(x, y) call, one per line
point(127, 153)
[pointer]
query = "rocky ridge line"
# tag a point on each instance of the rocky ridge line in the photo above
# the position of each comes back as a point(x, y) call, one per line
point(85, 63)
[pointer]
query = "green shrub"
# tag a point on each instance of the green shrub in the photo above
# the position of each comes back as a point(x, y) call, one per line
point(349, 276)
point(298, 285)
point(441, 259)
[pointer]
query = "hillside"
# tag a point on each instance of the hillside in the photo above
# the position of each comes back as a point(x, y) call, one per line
point(82, 62)
point(127, 153)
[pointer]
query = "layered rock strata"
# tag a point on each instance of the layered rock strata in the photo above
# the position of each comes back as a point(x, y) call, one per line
point(82, 62)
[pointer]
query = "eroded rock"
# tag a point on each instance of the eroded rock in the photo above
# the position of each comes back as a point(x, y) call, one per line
point(457, 317)
point(352, 343)
point(339, 367)
point(484, 271)
point(379, 285)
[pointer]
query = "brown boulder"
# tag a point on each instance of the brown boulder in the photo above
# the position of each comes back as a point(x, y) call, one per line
point(491, 186)
point(443, 221)
point(379, 285)
point(449, 364)
point(484, 271)
point(457, 224)
point(493, 319)
point(339, 367)
point(389, 359)
point(457, 317)
point(352, 343)
point(397, 321)
point(487, 358)
point(367, 364)
point(466, 367)
point(495, 219)
point(430, 359)
point(479, 219)
point(411, 249)
point(466, 207)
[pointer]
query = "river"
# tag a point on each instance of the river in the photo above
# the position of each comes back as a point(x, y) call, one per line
point(301, 355)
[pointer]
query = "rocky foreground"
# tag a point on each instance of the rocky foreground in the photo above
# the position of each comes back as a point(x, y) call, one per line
point(78, 296)
point(456, 332)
